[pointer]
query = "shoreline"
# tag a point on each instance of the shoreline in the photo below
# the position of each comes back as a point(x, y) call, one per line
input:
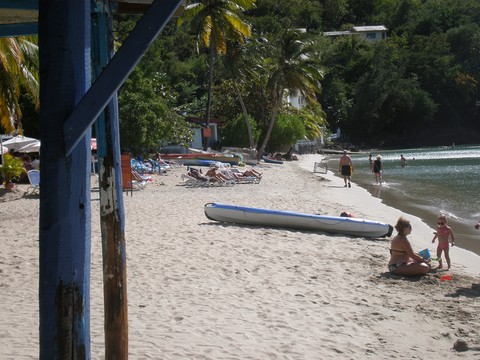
point(466, 236)
point(423, 233)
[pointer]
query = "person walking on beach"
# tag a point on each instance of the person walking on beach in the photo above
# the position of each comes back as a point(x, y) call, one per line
point(443, 233)
point(370, 162)
point(345, 167)
point(377, 169)
point(403, 161)
point(403, 260)
point(477, 225)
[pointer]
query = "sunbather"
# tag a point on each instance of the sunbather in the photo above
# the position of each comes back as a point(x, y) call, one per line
point(247, 173)
point(206, 178)
point(196, 174)
point(214, 173)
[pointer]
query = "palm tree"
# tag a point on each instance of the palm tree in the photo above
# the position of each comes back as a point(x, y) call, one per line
point(296, 70)
point(241, 63)
point(215, 22)
point(18, 72)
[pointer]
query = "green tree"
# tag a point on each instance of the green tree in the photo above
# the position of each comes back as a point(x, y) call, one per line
point(146, 120)
point(388, 100)
point(18, 72)
point(313, 121)
point(234, 132)
point(215, 22)
point(289, 128)
point(241, 65)
point(294, 68)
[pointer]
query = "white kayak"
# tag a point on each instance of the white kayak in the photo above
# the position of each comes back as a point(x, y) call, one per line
point(290, 219)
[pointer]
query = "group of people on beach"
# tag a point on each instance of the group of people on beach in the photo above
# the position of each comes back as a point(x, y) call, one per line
point(404, 261)
point(345, 167)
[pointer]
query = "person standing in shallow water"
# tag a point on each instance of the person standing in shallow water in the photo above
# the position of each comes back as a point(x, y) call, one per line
point(345, 167)
point(377, 169)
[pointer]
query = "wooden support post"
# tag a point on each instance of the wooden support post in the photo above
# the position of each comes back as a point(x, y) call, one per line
point(64, 43)
point(112, 214)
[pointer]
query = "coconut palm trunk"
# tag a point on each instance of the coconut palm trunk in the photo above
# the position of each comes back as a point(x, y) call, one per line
point(210, 90)
point(273, 119)
point(245, 115)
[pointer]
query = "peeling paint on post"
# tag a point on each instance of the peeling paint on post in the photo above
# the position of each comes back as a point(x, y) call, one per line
point(112, 216)
point(69, 306)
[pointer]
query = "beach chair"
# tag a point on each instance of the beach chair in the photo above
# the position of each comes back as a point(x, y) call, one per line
point(138, 182)
point(241, 178)
point(194, 182)
point(34, 179)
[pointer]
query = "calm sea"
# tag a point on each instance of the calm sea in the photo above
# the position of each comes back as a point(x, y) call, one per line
point(435, 180)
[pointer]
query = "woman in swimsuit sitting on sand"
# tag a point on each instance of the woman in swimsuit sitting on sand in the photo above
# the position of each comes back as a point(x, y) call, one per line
point(403, 261)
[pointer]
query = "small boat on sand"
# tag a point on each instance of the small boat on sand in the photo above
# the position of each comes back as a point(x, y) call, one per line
point(291, 219)
point(183, 158)
point(271, 160)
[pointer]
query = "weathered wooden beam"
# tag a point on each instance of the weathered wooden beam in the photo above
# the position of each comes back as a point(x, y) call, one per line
point(118, 69)
point(112, 214)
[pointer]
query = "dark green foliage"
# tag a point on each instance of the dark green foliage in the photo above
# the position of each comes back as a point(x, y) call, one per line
point(288, 129)
point(146, 122)
point(234, 132)
point(423, 79)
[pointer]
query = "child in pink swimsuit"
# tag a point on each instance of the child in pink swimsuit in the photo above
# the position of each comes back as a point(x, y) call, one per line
point(443, 233)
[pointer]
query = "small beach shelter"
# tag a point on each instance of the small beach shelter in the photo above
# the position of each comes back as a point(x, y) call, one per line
point(17, 142)
point(30, 148)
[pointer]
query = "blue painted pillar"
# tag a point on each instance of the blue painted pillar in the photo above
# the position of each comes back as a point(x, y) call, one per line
point(64, 43)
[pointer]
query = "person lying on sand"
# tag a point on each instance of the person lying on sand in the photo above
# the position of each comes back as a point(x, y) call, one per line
point(403, 261)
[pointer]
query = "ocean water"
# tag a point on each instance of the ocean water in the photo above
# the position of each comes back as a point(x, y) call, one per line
point(435, 180)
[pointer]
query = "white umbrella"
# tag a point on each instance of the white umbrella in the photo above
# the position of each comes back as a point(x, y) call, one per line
point(17, 142)
point(30, 148)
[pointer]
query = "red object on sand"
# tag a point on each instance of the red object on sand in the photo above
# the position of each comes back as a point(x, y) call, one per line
point(446, 278)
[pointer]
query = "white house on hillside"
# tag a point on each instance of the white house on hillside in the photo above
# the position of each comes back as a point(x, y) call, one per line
point(371, 33)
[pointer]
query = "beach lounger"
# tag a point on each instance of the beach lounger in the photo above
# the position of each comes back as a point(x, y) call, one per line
point(34, 179)
point(138, 181)
point(193, 182)
point(241, 178)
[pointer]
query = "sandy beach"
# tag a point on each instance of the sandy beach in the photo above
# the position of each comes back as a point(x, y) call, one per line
point(198, 289)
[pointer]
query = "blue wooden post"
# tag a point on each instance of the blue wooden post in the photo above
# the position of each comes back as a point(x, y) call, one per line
point(64, 43)
point(112, 214)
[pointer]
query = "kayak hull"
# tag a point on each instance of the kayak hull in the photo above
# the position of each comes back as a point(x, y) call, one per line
point(290, 219)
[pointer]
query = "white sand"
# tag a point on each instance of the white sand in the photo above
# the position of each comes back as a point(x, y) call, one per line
point(203, 290)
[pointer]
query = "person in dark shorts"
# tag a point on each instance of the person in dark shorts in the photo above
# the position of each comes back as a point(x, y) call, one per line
point(345, 167)
point(377, 169)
